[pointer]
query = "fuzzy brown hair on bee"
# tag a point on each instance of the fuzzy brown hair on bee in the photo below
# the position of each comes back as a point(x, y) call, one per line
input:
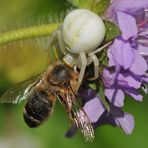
point(41, 92)
point(41, 100)
point(37, 109)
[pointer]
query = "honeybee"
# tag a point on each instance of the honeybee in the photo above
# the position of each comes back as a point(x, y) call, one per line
point(42, 91)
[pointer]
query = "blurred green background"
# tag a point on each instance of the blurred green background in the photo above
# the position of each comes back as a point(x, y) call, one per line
point(21, 60)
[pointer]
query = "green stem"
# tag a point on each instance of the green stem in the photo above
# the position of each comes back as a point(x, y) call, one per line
point(26, 33)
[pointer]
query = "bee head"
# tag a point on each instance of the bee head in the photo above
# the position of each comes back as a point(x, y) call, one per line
point(60, 75)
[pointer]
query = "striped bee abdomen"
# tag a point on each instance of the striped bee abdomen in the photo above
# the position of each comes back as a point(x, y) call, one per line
point(37, 108)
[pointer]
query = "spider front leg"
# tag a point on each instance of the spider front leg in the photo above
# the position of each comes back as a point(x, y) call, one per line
point(94, 59)
point(51, 39)
point(99, 49)
point(82, 63)
point(61, 41)
point(58, 35)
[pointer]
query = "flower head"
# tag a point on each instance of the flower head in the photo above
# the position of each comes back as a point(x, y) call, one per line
point(128, 53)
point(127, 69)
point(98, 114)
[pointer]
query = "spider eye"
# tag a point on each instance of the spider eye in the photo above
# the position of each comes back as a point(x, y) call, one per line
point(83, 31)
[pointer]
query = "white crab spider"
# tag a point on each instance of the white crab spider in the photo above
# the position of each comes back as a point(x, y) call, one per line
point(79, 36)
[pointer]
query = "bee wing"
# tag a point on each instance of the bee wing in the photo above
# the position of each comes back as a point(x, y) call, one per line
point(20, 92)
point(76, 113)
point(81, 120)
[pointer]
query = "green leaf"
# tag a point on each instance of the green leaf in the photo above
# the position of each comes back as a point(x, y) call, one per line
point(103, 59)
point(92, 86)
point(112, 31)
point(97, 6)
point(100, 6)
point(103, 99)
point(28, 32)
point(82, 3)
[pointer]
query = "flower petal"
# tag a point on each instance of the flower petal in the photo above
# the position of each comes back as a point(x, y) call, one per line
point(127, 80)
point(108, 78)
point(134, 94)
point(87, 94)
point(111, 61)
point(122, 53)
point(129, 6)
point(94, 109)
point(115, 96)
point(127, 24)
point(126, 123)
point(122, 119)
point(139, 65)
point(143, 50)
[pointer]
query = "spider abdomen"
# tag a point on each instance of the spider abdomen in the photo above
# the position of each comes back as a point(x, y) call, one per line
point(83, 31)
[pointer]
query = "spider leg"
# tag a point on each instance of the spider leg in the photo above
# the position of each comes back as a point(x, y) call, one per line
point(99, 49)
point(61, 41)
point(94, 59)
point(47, 47)
point(58, 34)
point(52, 37)
point(82, 63)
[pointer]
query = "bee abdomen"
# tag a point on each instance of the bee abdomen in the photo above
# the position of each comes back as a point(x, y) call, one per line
point(30, 120)
point(37, 109)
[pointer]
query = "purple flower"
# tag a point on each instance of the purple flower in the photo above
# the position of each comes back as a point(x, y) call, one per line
point(98, 115)
point(124, 83)
point(132, 7)
point(143, 37)
point(96, 111)
point(127, 67)
point(132, 18)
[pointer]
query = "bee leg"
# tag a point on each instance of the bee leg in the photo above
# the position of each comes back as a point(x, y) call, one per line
point(71, 132)
point(65, 103)
point(82, 63)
